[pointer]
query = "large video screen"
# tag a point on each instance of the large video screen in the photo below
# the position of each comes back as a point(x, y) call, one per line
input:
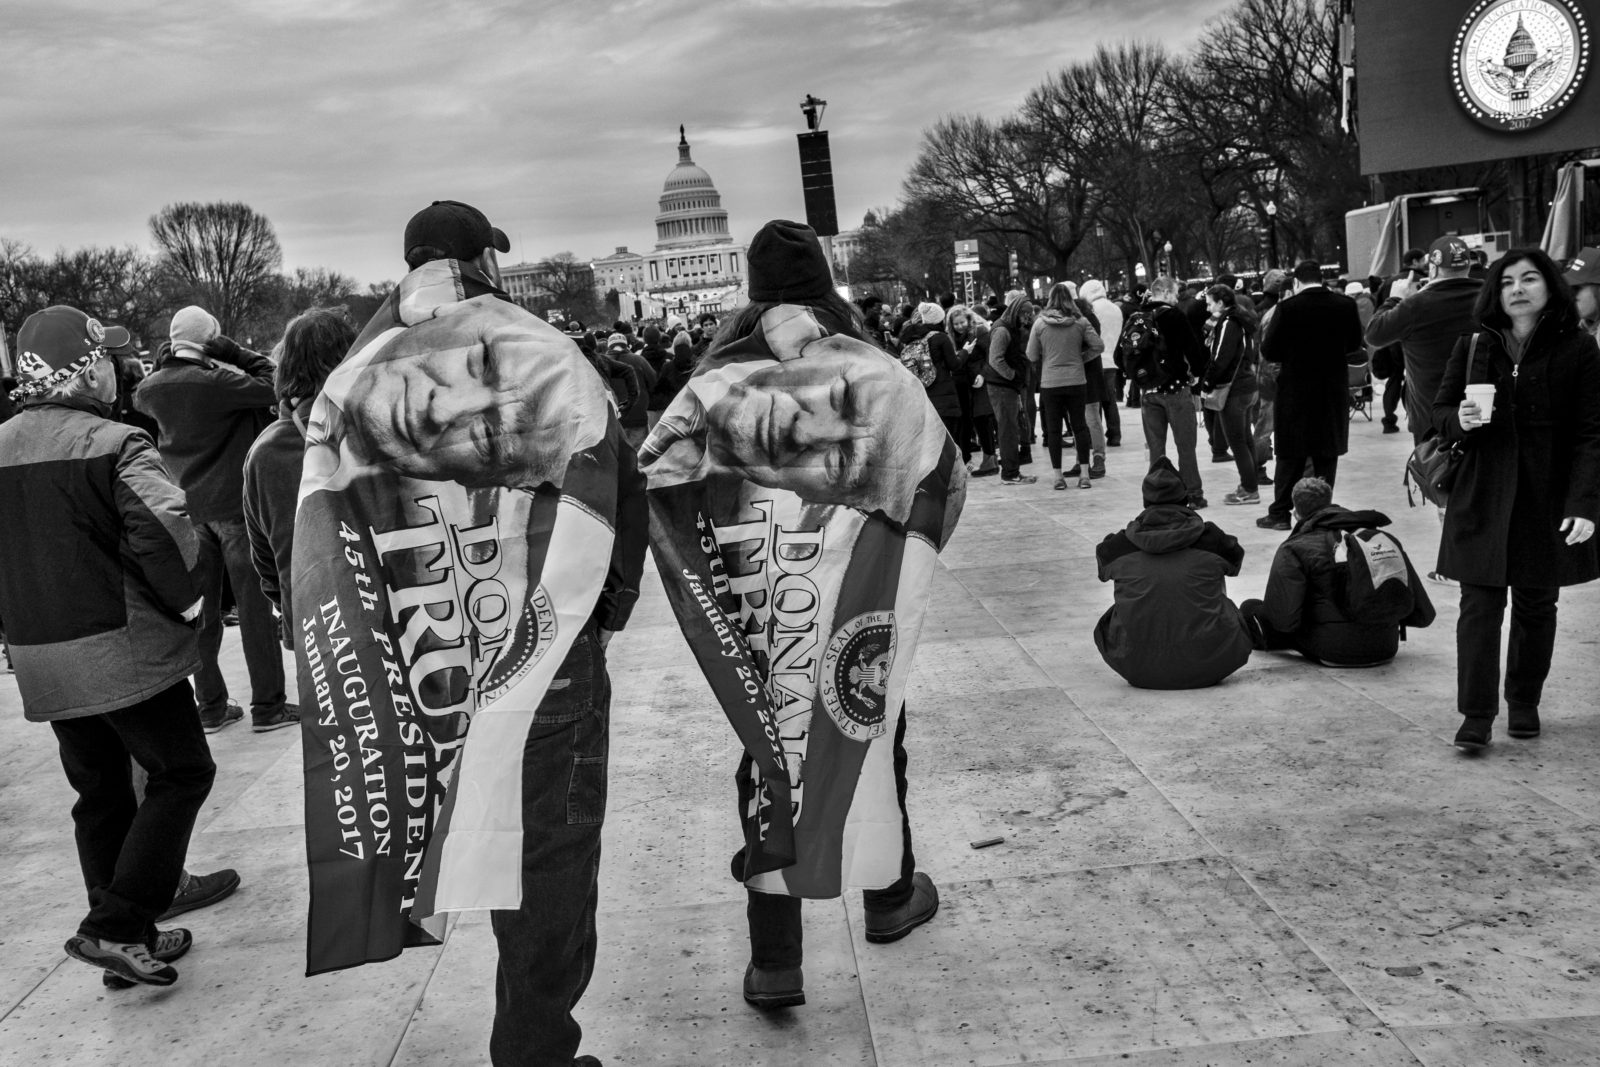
point(1446, 81)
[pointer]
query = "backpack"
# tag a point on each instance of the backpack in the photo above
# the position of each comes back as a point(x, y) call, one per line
point(1142, 350)
point(1372, 577)
point(916, 359)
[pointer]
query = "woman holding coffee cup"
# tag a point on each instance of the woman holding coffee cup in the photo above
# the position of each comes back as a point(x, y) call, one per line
point(1522, 397)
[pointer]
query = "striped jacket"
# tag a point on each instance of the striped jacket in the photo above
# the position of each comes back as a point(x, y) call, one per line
point(96, 555)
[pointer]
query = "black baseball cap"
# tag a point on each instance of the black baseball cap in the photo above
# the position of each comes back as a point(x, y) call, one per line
point(458, 229)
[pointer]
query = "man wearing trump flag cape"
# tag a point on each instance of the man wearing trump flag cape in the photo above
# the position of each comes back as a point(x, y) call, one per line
point(470, 531)
point(801, 488)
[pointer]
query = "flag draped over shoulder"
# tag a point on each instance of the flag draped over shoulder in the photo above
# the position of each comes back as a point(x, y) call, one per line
point(454, 530)
point(801, 487)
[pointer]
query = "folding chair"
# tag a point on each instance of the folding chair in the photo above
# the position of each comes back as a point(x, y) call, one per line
point(1358, 377)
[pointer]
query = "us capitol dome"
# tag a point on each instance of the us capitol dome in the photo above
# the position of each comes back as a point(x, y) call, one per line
point(696, 266)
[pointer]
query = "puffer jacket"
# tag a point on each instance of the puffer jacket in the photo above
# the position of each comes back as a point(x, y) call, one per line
point(96, 561)
point(1302, 595)
point(1172, 625)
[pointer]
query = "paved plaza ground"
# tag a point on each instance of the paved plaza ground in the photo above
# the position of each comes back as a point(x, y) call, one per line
point(1294, 867)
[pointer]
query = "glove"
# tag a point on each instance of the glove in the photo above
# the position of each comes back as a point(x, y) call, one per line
point(224, 350)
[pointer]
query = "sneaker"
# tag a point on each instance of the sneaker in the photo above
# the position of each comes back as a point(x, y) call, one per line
point(985, 470)
point(1077, 469)
point(287, 715)
point(227, 715)
point(201, 891)
point(1222, 457)
point(1439, 579)
point(886, 926)
point(1272, 522)
point(1242, 496)
point(1197, 502)
point(775, 987)
point(132, 962)
point(1097, 466)
point(170, 945)
point(1061, 481)
point(230, 618)
point(1021, 479)
point(1390, 429)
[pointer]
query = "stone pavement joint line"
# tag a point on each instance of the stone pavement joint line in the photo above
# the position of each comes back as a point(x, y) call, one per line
point(1293, 868)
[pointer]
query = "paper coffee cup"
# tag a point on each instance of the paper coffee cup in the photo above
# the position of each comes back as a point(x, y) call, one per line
point(1483, 396)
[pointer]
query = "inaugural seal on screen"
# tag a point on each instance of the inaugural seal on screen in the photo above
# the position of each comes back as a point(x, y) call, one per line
point(1519, 63)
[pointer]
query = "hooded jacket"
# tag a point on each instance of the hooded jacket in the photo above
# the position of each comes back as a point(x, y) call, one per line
point(1067, 350)
point(1108, 315)
point(96, 561)
point(1232, 359)
point(1302, 595)
point(1172, 625)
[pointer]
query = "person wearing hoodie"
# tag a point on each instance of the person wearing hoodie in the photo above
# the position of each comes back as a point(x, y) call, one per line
point(969, 333)
point(1172, 625)
point(928, 322)
point(1109, 316)
point(1066, 349)
point(1232, 368)
point(1304, 609)
point(1007, 376)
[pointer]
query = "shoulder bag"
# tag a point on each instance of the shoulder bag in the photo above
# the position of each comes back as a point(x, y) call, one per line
point(1431, 470)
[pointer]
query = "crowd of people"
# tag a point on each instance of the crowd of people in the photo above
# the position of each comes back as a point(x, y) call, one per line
point(140, 498)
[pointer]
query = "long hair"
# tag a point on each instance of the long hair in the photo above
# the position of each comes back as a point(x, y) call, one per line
point(834, 312)
point(1060, 299)
point(1562, 308)
point(314, 343)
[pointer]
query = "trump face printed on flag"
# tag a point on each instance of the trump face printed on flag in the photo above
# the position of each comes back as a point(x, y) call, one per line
point(500, 412)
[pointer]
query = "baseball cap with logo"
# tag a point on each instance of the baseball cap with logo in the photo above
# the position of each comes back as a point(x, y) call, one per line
point(1585, 268)
point(1450, 253)
point(460, 230)
point(56, 345)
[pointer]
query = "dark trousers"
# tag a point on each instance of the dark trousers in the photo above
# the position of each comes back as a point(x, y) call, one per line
point(1291, 468)
point(1394, 388)
point(775, 931)
point(1063, 405)
point(132, 852)
point(1007, 404)
point(1533, 640)
point(547, 946)
point(983, 426)
point(1215, 436)
point(224, 546)
point(1109, 409)
point(1174, 411)
point(1234, 419)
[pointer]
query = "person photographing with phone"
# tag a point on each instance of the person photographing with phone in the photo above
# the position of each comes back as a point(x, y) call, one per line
point(1521, 396)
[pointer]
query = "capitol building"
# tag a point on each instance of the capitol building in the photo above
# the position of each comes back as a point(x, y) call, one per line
point(695, 266)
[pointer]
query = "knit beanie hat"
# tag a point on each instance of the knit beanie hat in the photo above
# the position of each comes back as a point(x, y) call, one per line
point(1163, 485)
point(652, 335)
point(192, 327)
point(786, 263)
point(930, 314)
point(617, 343)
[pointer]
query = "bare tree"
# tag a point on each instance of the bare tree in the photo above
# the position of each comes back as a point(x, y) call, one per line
point(565, 283)
point(225, 254)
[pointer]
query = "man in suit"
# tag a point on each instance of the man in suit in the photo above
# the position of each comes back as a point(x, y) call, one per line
point(1311, 332)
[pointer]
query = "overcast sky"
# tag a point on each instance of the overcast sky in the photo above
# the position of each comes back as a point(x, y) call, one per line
point(338, 119)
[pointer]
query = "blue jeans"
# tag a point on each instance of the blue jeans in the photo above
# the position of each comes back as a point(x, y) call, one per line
point(1007, 404)
point(547, 946)
point(1162, 411)
point(131, 851)
point(225, 545)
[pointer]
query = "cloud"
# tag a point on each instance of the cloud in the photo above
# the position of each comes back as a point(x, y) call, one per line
point(339, 118)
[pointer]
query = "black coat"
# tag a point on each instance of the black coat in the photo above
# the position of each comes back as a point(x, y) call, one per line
point(1536, 463)
point(1303, 598)
point(1310, 335)
point(946, 362)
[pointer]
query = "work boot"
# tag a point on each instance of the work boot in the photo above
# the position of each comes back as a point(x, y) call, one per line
point(892, 925)
point(775, 987)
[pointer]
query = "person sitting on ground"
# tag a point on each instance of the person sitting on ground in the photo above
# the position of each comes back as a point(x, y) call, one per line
point(1172, 625)
point(1308, 606)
